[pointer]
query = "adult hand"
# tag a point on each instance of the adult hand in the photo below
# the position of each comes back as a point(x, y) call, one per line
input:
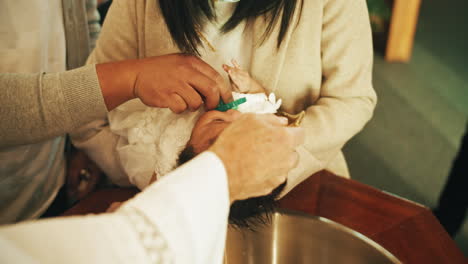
point(174, 81)
point(257, 152)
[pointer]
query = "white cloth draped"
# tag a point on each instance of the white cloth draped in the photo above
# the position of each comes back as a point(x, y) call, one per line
point(144, 230)
point(151, 139)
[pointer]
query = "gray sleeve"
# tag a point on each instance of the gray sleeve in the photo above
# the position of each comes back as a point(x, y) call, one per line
point(35, 107)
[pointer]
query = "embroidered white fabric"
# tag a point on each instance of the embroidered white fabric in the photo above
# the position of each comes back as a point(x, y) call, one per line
point(151, 139)
point(153, 242)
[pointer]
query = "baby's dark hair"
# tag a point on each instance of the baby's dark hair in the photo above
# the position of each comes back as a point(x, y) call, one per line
point(252, 212)
point(187, 154)
point(248, 213)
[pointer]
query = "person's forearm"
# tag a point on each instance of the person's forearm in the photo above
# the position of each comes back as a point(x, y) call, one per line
point(36, 107)
point(106, 238)
point(182, 217)
point(184, 211)
point(117, 80)
point(40, 106)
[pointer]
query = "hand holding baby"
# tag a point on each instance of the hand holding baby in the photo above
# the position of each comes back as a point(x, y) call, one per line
point(257, 150)
point(175, 81)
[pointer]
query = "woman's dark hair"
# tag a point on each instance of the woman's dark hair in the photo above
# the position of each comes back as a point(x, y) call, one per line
point(185, 18)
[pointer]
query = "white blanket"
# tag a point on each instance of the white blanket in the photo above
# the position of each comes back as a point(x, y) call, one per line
point(151, 139)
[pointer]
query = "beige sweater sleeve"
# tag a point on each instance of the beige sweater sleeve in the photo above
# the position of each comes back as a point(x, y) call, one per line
point(117, 41)
point(347, 98)
point(35, 107)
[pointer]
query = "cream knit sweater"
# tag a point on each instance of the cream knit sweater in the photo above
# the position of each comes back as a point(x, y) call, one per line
point(324, 66)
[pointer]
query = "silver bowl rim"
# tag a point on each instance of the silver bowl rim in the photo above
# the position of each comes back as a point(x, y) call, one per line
point(343, 228)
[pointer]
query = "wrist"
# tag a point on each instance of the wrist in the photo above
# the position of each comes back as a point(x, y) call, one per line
point(117, 80)
point(233, 193)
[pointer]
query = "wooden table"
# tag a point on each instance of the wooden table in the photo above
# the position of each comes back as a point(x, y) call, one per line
point(408, 230)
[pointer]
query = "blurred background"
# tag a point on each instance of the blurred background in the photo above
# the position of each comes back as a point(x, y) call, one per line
point(409, 146)
point(421, 78)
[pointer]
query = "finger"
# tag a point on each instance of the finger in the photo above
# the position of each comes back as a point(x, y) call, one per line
point(242, 84)
point(221, 85)
point(191, 97)
point(226, 93)
point(177, 104)
point(236, 73)
point(234, 62)
point(297, 134)
point(234, 76)
point(227, 68)
point(206, 87)
point(235, 88)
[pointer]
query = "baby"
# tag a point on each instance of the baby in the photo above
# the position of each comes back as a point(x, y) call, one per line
point(151, 139)
point(154, 141)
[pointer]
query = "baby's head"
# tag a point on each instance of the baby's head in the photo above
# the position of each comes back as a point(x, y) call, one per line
point(243, 213)
point(208, 127)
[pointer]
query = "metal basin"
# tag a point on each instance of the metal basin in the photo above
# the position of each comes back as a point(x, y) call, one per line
point(295, 238)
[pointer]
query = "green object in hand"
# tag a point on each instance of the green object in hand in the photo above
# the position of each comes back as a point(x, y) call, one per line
point(232, 105)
